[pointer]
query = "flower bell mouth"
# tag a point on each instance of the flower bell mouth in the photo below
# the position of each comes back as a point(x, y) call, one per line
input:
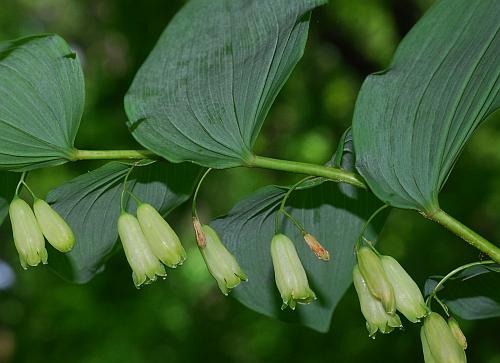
point(290, 276)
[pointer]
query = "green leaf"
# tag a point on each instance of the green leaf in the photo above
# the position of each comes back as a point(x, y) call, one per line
point(204, 91)
point(90, 204)
point(333, 213)
point(41, 102)
point(412, 121)
point(8, 182)
point(473, 294)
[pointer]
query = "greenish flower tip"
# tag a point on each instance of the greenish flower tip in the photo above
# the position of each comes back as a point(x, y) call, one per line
point(290, 276)
point(377, 319)
point(28, 237)
point(221, 264)
point(439, 344)
point(146, 267)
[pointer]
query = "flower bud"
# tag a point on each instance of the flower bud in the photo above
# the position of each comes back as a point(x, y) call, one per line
point(289, 273)
point(376, 279)
point(438, 342)
point(316, 247)
point(457, 332)
point(376, 317)
point(200, 235)
point(53, 226)
point(409, 299)
point(145, 266)
point(220, 262)
point(28, 238)
point(161, 238)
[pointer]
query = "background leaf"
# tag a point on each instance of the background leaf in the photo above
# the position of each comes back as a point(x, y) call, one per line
point(206, 88)
point(41, 102)
point(90, 204)
point(334, 213)
point(412, 120)
point(472, 294)
point(8, 182)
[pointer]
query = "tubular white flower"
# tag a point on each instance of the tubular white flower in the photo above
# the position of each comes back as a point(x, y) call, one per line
point(377, 319)
point(28, 237)
point(220, 262)
point(442, 346)
point(290, 276)
point(145, 265)
point(376, 279)
point(409, 299)
point(162, 239)
point(53, 226)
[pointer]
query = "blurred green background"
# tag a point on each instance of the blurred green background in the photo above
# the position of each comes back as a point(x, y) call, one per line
point(185, 318)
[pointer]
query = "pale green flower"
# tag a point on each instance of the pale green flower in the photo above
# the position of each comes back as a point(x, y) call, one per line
point(376, 279)
point(145, 265)
point(289, 273)
point(162, 239)
point(220, 262)
point(53, 226)
point(377, 319)
point(28, 237)
point(438, 342)
point(409, 299)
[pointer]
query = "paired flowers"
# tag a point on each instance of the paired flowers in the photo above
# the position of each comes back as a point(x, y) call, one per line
point(149, 243)
point(31, 227)
point(442, 342)
point(383, 287)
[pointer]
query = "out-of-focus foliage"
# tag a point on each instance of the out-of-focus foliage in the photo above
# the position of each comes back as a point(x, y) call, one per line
point(185, 318)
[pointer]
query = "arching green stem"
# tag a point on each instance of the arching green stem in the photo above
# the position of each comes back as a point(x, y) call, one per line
point(124, 190)
point(282, 210)
point(195, 195)
point(335, 174)
point(365, 226)
point(466, 234)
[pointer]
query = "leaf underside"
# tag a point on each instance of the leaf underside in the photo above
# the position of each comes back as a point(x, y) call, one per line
point(8, 182)
point(473, 294)
point(333, 212)
point(90, 204)
point(412, 121)
point(41, 102)
point(204, 91)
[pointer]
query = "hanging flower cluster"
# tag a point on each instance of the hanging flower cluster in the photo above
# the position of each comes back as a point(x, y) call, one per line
point(31, 227)
point(384, 287)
